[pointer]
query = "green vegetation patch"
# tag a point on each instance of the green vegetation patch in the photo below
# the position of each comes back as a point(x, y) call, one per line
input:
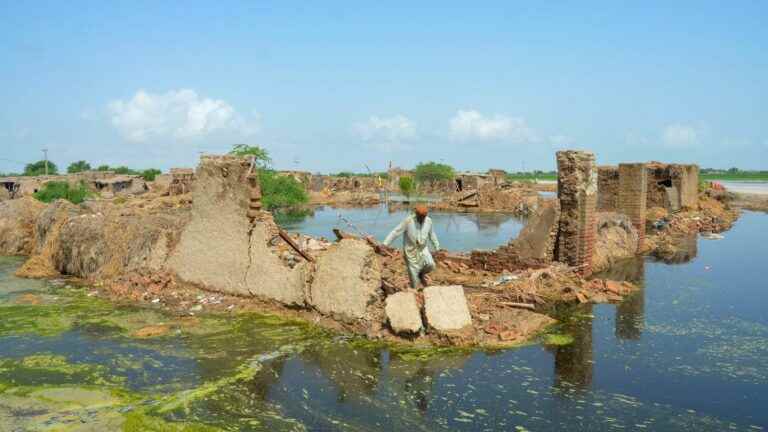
point(141, 422)
point(54, 190)
point(558, 339)
point(50, 369)
point(281, 191)
point(407, 185)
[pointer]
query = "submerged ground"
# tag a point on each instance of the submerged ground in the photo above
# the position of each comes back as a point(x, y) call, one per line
point(688, 352)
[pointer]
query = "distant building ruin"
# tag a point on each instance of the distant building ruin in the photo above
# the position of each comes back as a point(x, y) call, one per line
point(669, 186)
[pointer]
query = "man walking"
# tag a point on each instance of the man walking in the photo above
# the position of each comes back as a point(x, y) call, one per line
point(416, 230)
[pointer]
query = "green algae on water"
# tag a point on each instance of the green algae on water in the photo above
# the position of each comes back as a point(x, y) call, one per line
point(53, 369)
point(140, 422)
point(558, 339)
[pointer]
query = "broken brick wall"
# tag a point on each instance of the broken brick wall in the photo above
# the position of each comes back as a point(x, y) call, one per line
point(534, 247)
point(607, 188)
point(577, 193)
point(672, 186)
point(633, 184)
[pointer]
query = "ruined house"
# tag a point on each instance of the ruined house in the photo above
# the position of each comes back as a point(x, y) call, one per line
point(180, 181)
point(672, 186)
point(319, 183)
point(669, 186)
point(471, 181)
point(121, 184)
point(499, 176)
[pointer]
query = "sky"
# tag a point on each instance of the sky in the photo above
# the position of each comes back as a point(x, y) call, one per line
point(351, 86)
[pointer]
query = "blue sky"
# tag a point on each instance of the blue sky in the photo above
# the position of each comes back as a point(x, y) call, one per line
point(335, 86)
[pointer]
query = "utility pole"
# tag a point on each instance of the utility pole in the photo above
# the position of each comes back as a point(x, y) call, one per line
point(45, 154)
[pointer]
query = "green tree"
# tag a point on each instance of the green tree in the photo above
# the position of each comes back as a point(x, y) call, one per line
point(38, 168)
point(124, 170)
point(103, 168)
point(150, 174)
point(277, 191)
point(79, 166)
point(431, 172)
point(407, 185)
point(733, 170)
point(260, 155)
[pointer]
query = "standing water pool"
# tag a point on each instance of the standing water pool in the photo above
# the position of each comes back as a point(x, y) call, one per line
point(688, 352)
point(456, 231)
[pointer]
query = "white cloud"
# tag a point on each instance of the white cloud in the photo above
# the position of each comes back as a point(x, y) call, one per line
point(472, 125)
point(680, 135)
point(181, 114)
point(387, 133)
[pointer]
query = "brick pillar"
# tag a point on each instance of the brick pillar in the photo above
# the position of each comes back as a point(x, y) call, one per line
point(633, 192)
point(577, 193)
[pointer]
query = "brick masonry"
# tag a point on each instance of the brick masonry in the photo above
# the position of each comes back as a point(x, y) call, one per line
point(607, 188)
point(633, 188)
point(577, 193)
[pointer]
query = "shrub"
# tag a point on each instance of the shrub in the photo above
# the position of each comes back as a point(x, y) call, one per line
point(407, 185)
point(280, 191)
point(150, 174)
point(54, 190)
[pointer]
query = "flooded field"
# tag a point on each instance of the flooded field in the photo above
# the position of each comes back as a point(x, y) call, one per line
point(752, 187)
point(687, 352)
point(456, 231)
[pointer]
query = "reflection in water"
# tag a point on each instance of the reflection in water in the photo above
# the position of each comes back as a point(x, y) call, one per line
point(574, 361)
point(630, 313)
point(685, 250)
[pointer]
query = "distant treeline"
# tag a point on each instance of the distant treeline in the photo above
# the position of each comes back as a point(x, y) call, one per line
point(39, 168)
point(732, 174)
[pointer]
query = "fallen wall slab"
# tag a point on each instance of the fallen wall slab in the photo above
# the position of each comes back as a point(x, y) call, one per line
point(222, 249)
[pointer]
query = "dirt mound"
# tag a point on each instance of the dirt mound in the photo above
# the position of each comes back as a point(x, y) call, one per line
point(616, 239)
point(17, 225)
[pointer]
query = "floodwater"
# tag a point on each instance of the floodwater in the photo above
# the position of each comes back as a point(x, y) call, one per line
point(455, 231)
point(687, 352)
point(752, 187)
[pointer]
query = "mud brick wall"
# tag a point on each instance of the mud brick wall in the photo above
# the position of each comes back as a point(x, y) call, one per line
point(688, 185)
point(633, 184)
point(684, 178)
point(577, 193)
point(607, 188)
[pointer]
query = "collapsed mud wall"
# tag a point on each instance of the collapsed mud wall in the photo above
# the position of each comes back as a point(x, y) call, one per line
point(221, 249)
point(17, 225)
point(74, 240)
